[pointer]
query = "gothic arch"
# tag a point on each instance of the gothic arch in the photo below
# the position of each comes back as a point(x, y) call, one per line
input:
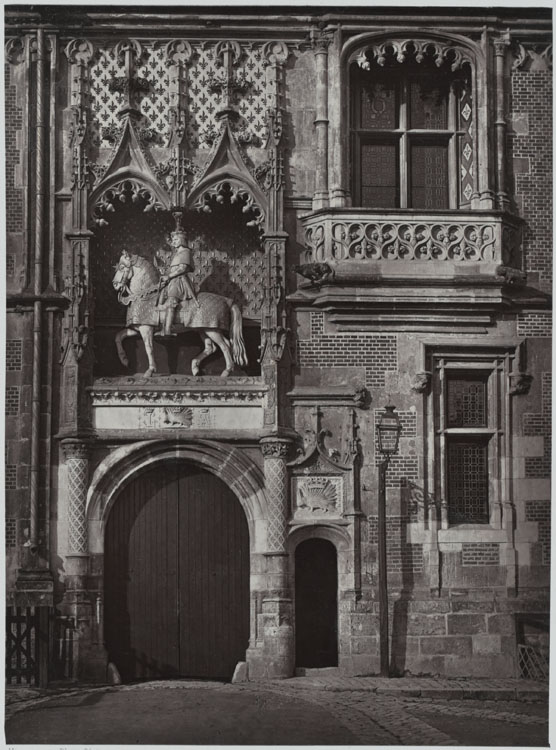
point(223, 182)
point(336, 534)
point(472, 51)
point(117, 186)
point(230, 464)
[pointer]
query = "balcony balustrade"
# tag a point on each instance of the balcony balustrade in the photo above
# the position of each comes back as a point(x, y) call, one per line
point(410, 243)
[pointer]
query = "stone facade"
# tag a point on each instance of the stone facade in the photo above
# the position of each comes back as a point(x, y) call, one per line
point(244, 129)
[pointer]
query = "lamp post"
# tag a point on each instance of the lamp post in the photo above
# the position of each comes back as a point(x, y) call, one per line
point(389, 429)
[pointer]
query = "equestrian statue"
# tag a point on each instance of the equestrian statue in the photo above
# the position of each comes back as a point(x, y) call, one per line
point(163, 295)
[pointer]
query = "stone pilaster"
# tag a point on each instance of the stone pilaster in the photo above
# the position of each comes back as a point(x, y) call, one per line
point(277, 604)
point(88, 654)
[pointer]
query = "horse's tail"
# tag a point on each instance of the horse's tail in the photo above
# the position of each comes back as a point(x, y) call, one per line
point(236, 337)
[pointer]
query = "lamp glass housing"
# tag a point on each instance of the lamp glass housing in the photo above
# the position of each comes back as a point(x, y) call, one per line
point(389, 429)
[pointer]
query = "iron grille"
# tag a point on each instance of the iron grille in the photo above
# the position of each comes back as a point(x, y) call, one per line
point(467, 402)
point(22, 645)
point(468, 481)
point(532, 663)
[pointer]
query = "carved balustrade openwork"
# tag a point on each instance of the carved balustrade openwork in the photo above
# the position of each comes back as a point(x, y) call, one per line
point(485, 240)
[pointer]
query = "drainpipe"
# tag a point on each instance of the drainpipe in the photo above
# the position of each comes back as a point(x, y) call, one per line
point(37, 310)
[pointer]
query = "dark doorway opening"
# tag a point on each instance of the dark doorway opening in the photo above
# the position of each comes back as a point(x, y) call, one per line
point(316, 604)
point(176, 576)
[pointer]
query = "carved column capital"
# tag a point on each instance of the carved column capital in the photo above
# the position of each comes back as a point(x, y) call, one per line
point(76, 449)
point(320, 41)
point(275, 447)
point(501, 44)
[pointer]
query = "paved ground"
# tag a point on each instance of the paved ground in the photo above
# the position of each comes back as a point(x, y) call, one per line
point(313, 710)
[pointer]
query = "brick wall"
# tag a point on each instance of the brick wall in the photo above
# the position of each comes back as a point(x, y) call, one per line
point(14, 352)
point(378, 354)
point(539, 512)
point(13, 121)
point(12, 400)
point(532, 149)
point(402, 555)
point(480, 554)
point(540, 423)
point(535, 324)
point(11, 532)
point(10, 476)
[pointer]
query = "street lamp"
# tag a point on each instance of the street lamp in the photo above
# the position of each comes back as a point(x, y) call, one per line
point(389, 429)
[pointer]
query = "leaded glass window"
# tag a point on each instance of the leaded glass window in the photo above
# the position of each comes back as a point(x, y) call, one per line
point(410, 122)
point(468, 480)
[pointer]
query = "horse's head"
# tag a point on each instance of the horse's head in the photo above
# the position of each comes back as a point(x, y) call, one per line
point(124, 272)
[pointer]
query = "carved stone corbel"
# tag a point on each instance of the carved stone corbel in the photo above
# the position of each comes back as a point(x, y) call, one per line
point(421, 381)
point(520, 383)
point(535, 57)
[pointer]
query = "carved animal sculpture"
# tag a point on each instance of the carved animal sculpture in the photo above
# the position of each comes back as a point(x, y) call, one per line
point(317, 273)
point(137, 282)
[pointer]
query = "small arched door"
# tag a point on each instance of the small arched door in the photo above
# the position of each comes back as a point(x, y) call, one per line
point(176, 576)
point(316, 604)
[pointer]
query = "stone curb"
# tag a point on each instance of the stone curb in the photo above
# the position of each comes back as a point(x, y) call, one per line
point(531, 694)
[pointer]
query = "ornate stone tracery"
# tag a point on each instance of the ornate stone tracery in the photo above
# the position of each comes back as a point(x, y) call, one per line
point(401, 50)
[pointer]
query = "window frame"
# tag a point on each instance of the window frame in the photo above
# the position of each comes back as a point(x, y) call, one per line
point(496, 365)
point(404, 136)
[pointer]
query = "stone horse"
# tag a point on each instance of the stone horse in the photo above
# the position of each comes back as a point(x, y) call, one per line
point(137, 282)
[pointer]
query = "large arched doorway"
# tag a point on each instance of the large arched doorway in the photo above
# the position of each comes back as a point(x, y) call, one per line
point(176, 576)
point(316, 604)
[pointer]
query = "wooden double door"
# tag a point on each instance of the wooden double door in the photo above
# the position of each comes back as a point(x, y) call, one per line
point(176, 576)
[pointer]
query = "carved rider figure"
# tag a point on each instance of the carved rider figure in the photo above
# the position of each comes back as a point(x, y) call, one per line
point(175, 284)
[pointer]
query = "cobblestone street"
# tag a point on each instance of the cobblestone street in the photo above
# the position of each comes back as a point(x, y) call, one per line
point(299, 711)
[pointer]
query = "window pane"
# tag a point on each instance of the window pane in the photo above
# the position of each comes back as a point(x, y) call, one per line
point(428, 108)
point(378, 105)
point(429, 176)
point(467, 401)
point(467, 481)
point(379, 175)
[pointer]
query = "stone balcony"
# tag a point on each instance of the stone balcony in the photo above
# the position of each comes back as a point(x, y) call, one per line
point(360, 243)
point(446, 271)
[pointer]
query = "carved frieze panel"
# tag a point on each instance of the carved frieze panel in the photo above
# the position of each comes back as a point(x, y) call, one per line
point(317, 496)
point(170, 416)
point(178, 403)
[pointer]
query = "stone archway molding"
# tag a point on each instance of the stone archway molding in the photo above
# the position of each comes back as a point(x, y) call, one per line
point(338, 535)
point(230, 464)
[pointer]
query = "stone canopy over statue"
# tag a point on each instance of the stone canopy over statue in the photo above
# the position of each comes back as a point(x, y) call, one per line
point(162, 294)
